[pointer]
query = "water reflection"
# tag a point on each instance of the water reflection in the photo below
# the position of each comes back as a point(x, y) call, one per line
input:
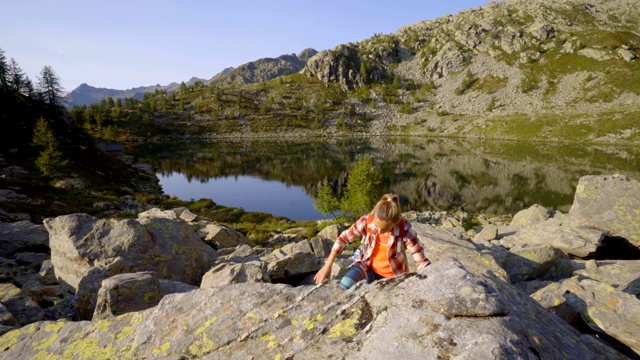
point(498, 177)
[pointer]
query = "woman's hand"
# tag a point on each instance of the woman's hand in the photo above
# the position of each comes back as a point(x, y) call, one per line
point(323, 274)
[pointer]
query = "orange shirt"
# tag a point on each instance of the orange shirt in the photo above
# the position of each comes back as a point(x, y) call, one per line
point(380, 261)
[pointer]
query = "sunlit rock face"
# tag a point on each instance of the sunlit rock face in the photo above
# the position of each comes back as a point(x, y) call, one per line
point(442, 311)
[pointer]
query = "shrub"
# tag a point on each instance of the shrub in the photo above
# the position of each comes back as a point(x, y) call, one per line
point(492, 104)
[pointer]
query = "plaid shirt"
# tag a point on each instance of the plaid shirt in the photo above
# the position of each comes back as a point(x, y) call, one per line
point(396, 258)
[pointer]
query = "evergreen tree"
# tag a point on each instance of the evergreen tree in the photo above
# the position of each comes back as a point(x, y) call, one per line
point(50, 159)
point(16, 77)
point(364, 187)
point(326, 202)
point(49, 87)
point(4, 71)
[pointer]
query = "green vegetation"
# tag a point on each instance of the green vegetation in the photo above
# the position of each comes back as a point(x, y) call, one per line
point(364, 186)
point(467, 83)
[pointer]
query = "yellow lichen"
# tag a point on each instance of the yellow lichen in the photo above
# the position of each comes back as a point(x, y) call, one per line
point(206, 325)
point(42, 355)
point(308, 323)
point(253, 317)
point(201, 347)
point(51, 327)
point(344, 328)
point(125, 333)
point(163, 349)
point(278, 357)
point(102, 326)
point(89, 349)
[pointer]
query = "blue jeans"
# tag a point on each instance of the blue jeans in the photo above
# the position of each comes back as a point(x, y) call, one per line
point(356, 274)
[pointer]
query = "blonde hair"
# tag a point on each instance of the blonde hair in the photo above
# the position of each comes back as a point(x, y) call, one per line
point(388, 208)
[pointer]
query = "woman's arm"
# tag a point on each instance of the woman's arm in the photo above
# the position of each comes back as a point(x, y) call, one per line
point(412, 243)
point(357, 230)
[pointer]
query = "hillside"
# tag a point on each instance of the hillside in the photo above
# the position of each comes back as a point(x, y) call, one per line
point(263, 69)
point(510, 70)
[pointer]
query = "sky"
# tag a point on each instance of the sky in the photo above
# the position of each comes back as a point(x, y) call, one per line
point(120, 44)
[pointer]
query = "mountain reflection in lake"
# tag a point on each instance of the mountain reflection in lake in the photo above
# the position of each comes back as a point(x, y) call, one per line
point(479, 176)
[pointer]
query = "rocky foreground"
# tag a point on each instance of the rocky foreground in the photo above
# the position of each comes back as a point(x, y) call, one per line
point(168, 284)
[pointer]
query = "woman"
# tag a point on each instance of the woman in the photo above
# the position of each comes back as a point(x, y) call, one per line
point(385, 236)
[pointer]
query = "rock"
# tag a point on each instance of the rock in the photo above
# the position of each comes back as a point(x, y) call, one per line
point(299, 247)
point(47, 274)
point(71, 184)
point(623, 275)
point(172, 287)
point(627, 55)
point(330, 232)
point(11, 272)
point(226, 273)
point(86, 250)
point(542, 31)
point(450, 59)
point(22, 307)
point(610, 203)
point(22, 235)
point(32, 260)
point(487, 319)
point(44, 295)
point(242, 253)
point(603, 308)
point(321, 246)
point(13, 171)
point(10, 195)
point(283, 239)
point(531, 216)
point(453, 226)
point(580, 242)
point(542, 262)
point(221, 236)
point(594, 54)
point(489, 232)
point(439, 244)
point(6, 318)
point(125, 293)
point(293, 266)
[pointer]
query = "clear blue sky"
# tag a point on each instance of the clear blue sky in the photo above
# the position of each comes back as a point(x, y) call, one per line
point(127, 43)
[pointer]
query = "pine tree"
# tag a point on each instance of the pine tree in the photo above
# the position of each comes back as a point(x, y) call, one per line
point(326, 202)
point(16, 78)
point(50, 159)
point(4, 70)
point(49, 87)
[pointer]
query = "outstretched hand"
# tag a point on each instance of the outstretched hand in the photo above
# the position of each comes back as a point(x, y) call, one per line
point(322, 274)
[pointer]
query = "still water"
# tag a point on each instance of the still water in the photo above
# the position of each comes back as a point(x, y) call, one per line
point(480, 176)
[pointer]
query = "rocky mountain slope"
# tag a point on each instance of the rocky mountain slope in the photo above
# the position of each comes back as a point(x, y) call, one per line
point(263, 69)
point(507, 68)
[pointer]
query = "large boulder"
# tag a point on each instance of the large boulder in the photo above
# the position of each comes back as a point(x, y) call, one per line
point(610, 203)
point(605, 309)
point(542, 262)
point(125, 293)
point(231, 273)
point(445, 311)
point(531, 216)
point(579, 242)
point(221, 237)
point(449, 59)
point(86, 250)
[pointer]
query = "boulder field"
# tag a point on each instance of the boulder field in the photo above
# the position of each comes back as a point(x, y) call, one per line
point(544, 285)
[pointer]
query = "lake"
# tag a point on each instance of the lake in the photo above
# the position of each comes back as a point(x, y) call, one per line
point(281, 177)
